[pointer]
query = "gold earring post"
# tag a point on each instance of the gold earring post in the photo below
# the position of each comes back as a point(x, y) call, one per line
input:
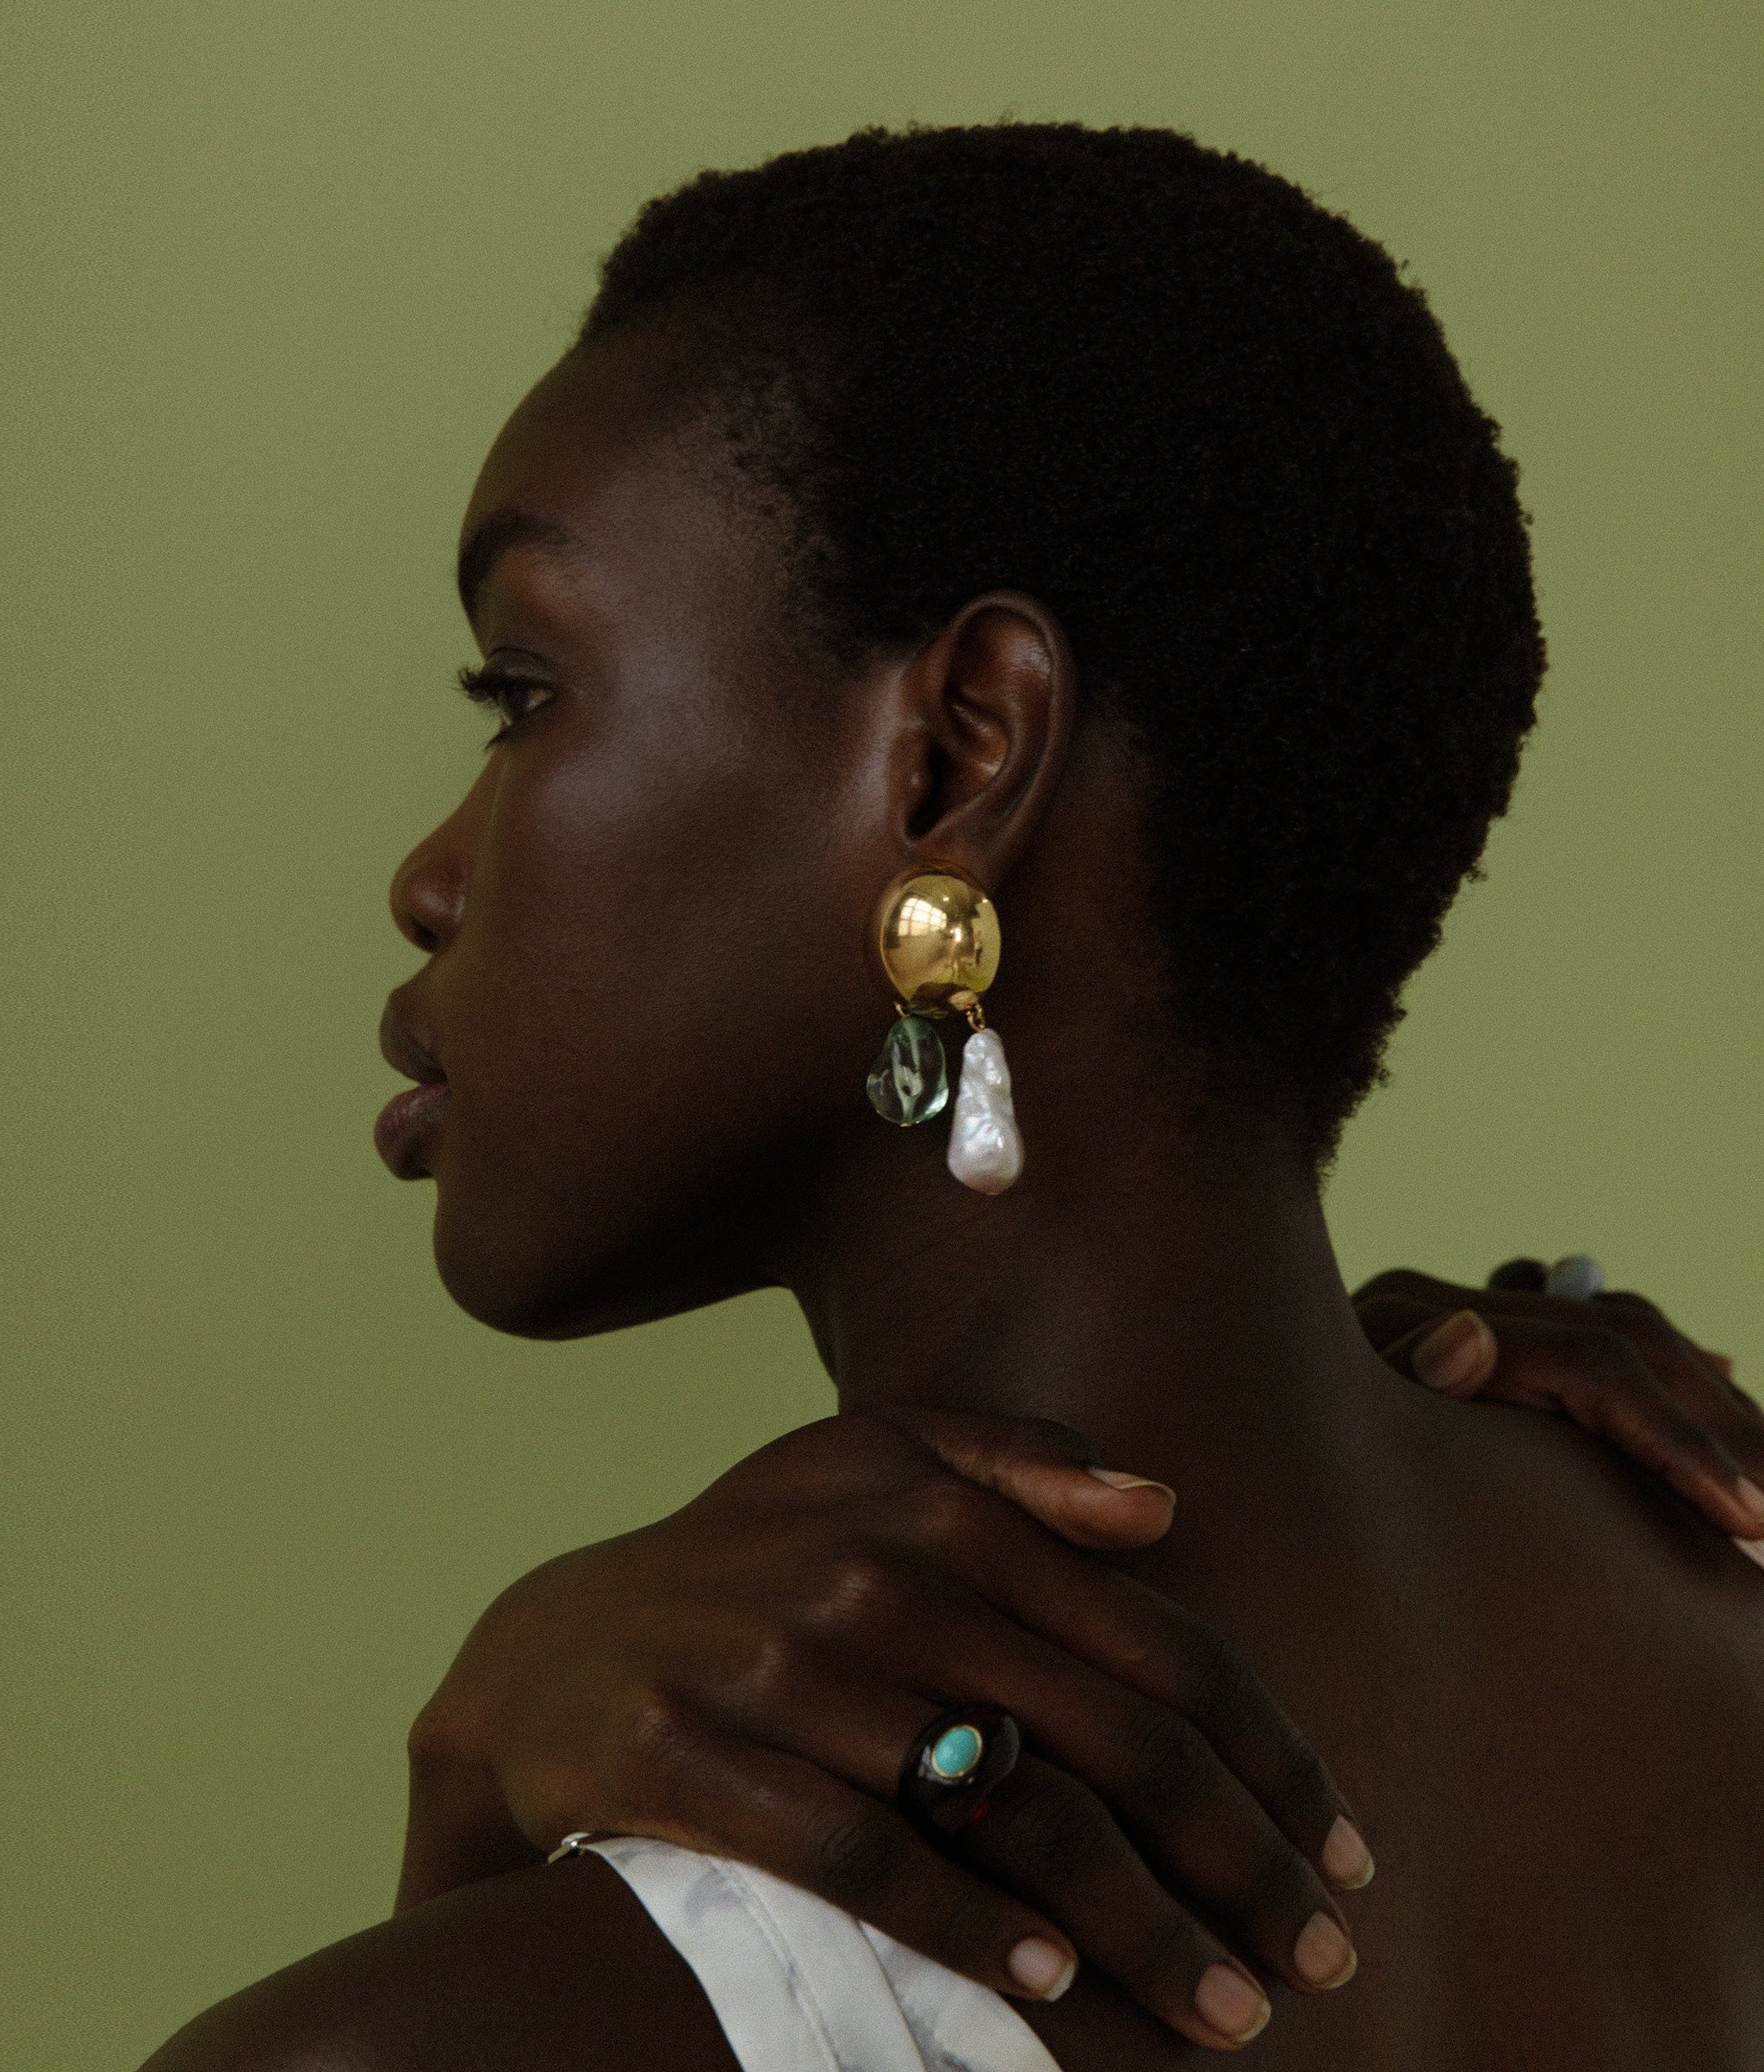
point(937, 937)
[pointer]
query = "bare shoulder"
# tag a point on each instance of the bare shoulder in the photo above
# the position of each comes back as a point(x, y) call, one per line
point(553, 1970)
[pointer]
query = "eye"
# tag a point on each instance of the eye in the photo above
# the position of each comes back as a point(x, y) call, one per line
point(515, 697)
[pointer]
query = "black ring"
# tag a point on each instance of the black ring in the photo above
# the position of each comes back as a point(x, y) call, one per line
point(938, 1797)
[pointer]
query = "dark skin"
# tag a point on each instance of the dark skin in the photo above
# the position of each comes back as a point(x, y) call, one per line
point(739, 1611)
point(659, 887)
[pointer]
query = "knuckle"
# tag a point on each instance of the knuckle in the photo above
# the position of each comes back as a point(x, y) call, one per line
point(857, 1857)
point(815, 1443)
point(656, 1732)
point(1599, 1355)
point(858, 1598)
point(1057, 1829)
point(462, 1725)
point(1299, 1794)
point(1653, 1338)
point(772, 1674)
point(436, 1737)
point(861, 1592)
point(1223, 1688)
point(947, 1512)
point(1036, 1438)
point(1169, 1766)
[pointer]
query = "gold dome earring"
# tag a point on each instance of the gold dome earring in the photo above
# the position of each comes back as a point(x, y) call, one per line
point(936, 935)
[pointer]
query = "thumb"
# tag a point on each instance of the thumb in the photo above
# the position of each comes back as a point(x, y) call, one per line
point(1455, 1355)
point(1045, 1469)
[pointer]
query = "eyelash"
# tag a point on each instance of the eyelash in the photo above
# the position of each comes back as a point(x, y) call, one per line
point(491, 686)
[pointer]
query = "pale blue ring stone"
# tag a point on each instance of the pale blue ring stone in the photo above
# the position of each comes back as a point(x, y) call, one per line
point(955, 1752)
point(1577, 1276)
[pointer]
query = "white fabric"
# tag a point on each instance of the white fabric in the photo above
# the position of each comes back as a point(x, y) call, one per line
point(799, 1986)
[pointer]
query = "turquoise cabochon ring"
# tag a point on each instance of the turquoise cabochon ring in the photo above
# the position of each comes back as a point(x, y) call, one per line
point(955, 1764)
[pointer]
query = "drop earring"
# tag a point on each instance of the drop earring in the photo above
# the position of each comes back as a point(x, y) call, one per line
point(936, 935)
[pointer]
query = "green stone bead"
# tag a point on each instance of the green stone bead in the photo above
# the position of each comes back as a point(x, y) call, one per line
point(955, 1753)
point(909, 1084)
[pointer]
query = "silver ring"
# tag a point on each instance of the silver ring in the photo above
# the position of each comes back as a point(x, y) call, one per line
point(1577, 1277)
point(572, 1845)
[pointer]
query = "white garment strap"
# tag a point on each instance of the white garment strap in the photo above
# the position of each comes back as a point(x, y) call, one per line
point(799, 1986)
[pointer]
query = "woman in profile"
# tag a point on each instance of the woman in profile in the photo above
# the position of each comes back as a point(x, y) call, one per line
point(1091, 520)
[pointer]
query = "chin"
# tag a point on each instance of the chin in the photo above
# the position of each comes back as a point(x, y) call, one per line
point(515, 1281)
point(501, 1280)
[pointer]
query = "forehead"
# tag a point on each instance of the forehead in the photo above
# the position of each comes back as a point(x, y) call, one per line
point(602, 487)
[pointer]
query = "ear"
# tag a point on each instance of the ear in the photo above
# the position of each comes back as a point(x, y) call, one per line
point(979, 722)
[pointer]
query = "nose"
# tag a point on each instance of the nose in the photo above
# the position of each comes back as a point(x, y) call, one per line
point(428, 887)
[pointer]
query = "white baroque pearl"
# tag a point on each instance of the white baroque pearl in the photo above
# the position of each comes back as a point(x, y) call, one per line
point(985, 1150)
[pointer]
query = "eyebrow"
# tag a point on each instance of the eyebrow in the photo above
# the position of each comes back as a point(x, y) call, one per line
point(492, 535)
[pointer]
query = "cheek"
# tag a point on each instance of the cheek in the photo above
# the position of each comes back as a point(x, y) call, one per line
point(646, 1001)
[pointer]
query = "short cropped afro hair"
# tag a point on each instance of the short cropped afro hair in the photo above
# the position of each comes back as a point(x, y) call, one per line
point(1210, 425)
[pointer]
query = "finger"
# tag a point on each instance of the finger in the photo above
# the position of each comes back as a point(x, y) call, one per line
point(1192, 1821)
point(1098, 1621)
point(1045, 1469)
point(1456, 1356)
point(1702, 1380)
point(1697, 1384)
point(764, 1805)
point(1186, 1788)
point(1601, 1379)
point(1387, 1310)
point(1704, 1433)
point(1699, 1381)
point(1745, 1404)
point(1398, 1311)
point(1390, 1319)
point(1654, 1332)
point(1405, 1298)
point(1121, 1922)
point(1734, 1417)
point(1045, 1833)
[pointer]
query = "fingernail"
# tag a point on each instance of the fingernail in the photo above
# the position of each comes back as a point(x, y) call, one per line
point(1346, 1860)
point(1752, 1549)
point(1456, 1355)
point(1751, 1499)
point(1233, 2005)
point(1043, 1969)
point(1323, 1956)
point(1116, 1480)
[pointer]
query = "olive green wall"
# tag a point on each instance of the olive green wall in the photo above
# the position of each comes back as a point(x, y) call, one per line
point(274, 274)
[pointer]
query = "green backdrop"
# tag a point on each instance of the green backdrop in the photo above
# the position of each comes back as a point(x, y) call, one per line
point(274, 274)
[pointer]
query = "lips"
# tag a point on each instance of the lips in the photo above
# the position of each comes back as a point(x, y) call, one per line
point(407, 1122)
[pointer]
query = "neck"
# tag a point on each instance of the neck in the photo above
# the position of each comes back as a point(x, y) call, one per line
point(1167, 1290)
point(1178, 1309)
